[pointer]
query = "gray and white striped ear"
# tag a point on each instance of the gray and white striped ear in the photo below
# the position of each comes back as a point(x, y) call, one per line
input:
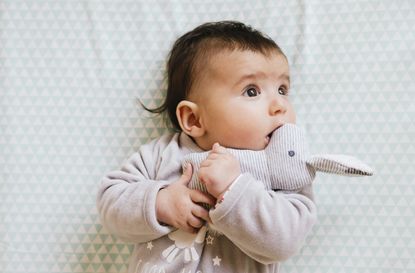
point(339, 164)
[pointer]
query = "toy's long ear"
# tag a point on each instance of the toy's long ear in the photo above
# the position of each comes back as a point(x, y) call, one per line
point(340, 164)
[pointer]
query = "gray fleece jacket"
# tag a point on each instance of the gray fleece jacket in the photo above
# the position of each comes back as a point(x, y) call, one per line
point(260, 222)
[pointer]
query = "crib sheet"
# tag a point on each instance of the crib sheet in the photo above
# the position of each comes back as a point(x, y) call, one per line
point(70, 76)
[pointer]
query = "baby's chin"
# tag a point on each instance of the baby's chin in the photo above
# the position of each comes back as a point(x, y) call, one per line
point(257, 146)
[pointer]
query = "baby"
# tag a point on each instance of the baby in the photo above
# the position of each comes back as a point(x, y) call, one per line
point(228, 89)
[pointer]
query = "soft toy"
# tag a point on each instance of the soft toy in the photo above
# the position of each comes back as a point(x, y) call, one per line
point(285, 164)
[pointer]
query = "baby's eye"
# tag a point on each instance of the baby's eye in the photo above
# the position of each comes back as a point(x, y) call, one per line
point(282, 91)
point(251, 92)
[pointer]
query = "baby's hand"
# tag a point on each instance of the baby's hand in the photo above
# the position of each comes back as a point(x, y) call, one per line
point(177, 205)
point(219, 170)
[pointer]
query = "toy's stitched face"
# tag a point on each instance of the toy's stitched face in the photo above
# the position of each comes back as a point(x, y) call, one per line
point(286, 157)
point(242, 98)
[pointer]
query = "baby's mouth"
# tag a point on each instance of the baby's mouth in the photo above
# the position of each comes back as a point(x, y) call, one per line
point(267, 138)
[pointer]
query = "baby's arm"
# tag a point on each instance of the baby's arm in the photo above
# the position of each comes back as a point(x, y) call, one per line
point(126, 202)
point(268, 226)
point(127, 199)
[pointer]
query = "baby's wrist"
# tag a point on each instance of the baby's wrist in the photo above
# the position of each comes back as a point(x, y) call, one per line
point(221, 197)
point(160, 210)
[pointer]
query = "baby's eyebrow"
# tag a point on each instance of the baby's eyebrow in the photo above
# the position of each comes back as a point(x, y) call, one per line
point(254, 76)
point(251, 76)
point(285, 77)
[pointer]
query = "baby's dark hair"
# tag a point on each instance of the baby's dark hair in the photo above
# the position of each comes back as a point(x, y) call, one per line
point(194, 49)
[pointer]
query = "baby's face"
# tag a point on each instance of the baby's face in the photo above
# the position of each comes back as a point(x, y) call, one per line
point(243, 98)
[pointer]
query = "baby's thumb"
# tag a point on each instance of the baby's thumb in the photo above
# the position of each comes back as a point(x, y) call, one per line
point(187, 174)
point(217, 148)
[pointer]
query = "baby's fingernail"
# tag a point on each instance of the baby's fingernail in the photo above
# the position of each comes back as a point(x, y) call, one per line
point(187, 166)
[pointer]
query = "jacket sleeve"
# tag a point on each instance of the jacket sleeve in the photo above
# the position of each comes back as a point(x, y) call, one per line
point(126, 198)
point(268, 226)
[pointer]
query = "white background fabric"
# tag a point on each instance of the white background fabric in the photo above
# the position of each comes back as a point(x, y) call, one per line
point(70, 74)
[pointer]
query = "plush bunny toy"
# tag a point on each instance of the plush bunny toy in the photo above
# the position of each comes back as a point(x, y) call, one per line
point(285, 164)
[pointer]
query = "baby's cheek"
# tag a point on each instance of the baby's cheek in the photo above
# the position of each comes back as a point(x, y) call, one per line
point(291, 115)
point(292, 119)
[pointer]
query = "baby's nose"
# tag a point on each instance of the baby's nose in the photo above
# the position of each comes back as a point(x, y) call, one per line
point(277, 105)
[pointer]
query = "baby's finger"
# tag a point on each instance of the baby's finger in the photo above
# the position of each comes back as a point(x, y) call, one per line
point(212, 155)
point(217, 148)
point(200, 197)
point(201, 213)
point(206, 163)
point(187, 174)
point(195, 222)
point(189, 228)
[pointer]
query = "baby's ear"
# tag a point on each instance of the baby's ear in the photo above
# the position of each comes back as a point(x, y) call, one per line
point(339, 164)
point(187, 114)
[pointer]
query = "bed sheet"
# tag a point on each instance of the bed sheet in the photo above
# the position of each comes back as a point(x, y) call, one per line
point(70, 76)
